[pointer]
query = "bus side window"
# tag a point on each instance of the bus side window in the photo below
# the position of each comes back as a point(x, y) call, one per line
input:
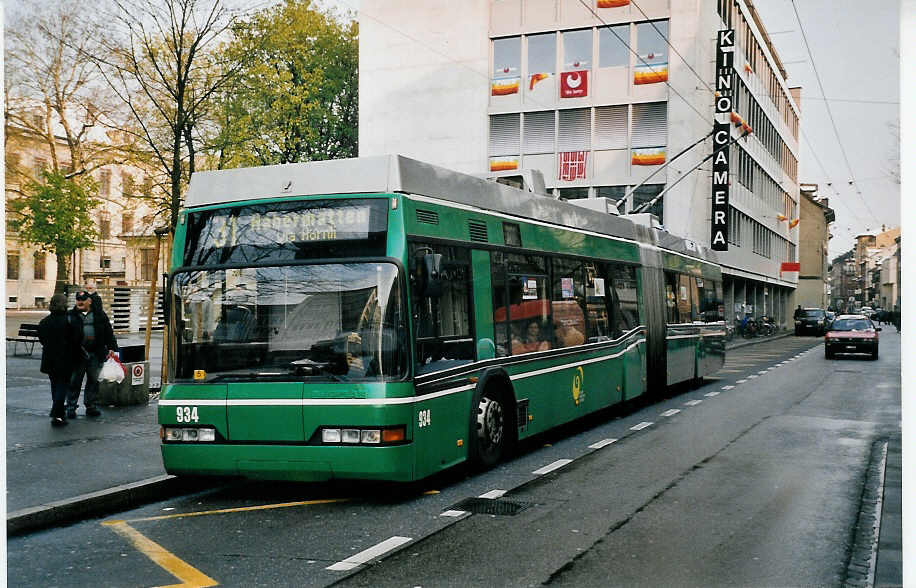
point(625, 304)
point(597, 301)
point(443, 323)
point(568, 302)
point(671, 295)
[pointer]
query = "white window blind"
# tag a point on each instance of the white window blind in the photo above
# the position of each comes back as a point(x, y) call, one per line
point(650, 124)
point(575, 130)
point(611, 127)
point(505, 134)
point(540, 132)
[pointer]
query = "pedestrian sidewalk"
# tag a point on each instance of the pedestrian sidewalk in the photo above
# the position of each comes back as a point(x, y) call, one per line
point(92, 466)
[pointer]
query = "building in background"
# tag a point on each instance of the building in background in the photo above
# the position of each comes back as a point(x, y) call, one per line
point(842, 282)
point(598, 96)
point(122, 255)
point(813, 242)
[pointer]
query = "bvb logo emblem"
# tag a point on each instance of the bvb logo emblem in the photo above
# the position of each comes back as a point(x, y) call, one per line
point(578, 380)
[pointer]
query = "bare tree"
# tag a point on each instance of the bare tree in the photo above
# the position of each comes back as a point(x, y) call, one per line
point(163, 61)
point(53, 97)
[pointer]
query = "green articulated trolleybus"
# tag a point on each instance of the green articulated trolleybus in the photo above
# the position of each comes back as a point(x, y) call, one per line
point(384, 319)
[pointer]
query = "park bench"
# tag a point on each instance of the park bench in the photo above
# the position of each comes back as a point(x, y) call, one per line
point(28, 336)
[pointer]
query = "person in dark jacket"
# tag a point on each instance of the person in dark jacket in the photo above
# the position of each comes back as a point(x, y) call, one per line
point(96, 339)
point(59, 337)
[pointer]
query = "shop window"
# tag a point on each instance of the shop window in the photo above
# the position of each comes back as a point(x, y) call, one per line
point(647, 193)
point(573, 193)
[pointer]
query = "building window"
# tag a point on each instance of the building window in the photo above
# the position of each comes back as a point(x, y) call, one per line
point(505, 134)
point(646, 193)
point(105, 182)
point(650, 124)
point(40, 265)
point(613, 192)
point(540, 132)
point(611, 127)
point(127, 223)
point(651, 42)
point(577, 50)
point(575, 130)
point(127, 184)
point(105, 263)
point(573, 193)
point(40, 164)
point(147, 269)
point(104, 226)
point(147, 186)
point(542, 54)
point(613, 42)
point(12, 265)
point(507, 57)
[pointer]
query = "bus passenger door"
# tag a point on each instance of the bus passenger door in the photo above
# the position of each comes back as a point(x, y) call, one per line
point(265, 411)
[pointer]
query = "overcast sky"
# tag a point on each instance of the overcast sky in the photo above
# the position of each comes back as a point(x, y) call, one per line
point(855, 49)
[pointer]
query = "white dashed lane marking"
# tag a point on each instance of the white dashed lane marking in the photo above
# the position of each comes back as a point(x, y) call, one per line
point(711, 394)
point(493, 494)
point(602, 443)
point(671, 412)
point(368, 555)
point(741, 381)
point(640, 426)
point(551, 467)
point(453, 513)
point(693, 402)
point(727, 387)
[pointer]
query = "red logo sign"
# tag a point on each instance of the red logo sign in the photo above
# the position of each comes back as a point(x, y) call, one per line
point(574, 84)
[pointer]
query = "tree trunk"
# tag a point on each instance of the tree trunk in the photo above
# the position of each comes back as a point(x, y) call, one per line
point(63, 273)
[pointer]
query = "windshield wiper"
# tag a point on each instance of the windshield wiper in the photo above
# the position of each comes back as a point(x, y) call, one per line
point(246, 375)
point(310, 367)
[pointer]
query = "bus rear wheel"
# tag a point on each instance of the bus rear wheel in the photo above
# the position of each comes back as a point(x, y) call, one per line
point(493, 431)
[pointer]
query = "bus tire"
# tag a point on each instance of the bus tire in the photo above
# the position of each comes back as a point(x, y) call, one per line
point(492, 427)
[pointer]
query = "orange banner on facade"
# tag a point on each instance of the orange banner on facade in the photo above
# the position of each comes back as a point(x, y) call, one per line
point(504, 87)
point(535, 78)
point(653, 74)
point(503, 163)
point(612, 3)
point(651, 156)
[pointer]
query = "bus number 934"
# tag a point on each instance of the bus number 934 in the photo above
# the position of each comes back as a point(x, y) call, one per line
point(186, 414)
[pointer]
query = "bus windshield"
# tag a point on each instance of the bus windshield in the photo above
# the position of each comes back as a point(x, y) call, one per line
point(333, 322)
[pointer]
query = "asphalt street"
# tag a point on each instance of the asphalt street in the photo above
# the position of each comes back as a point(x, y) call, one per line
point(758, 477)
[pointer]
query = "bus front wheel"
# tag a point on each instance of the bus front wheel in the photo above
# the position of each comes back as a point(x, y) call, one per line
point(493, 429)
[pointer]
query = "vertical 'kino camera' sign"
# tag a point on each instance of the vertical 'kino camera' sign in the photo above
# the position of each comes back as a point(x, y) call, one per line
point(721, 137)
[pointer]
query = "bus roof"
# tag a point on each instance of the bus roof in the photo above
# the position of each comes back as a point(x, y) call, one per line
point(399, 174)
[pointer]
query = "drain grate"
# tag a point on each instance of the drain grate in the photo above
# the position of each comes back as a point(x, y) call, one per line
point(491, 506)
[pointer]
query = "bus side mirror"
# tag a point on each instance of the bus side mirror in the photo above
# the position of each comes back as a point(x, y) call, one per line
point(430, 270)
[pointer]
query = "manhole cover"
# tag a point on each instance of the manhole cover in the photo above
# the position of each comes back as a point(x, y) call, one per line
point(491, 506)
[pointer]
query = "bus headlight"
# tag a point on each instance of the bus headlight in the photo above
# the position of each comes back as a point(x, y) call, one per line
point(188, 434)
point(369, 436)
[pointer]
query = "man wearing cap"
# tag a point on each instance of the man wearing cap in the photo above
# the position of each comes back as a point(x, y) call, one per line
point(96, 339)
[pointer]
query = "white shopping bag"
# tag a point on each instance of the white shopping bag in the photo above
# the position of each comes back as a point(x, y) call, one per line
point(112, 370)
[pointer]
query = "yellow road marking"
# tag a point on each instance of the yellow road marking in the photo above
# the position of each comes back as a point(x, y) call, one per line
point(239, 509)
point(190, 577)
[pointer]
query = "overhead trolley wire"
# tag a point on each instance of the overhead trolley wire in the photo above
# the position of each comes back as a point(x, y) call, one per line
point(830, 113)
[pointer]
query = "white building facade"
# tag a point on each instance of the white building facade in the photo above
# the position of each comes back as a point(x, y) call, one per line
point(600, 96)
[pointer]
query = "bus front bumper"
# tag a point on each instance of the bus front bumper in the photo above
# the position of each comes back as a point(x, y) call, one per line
point(290, 462)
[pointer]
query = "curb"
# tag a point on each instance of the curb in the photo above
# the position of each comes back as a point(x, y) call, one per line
point(94, 504)
point(756, 340)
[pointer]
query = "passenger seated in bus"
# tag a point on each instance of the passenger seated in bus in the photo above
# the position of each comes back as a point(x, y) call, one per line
point(533, 340)
point(568, 335)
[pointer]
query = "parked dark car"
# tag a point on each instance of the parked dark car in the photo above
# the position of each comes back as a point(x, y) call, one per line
point(851, 333)
point(811, 320)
